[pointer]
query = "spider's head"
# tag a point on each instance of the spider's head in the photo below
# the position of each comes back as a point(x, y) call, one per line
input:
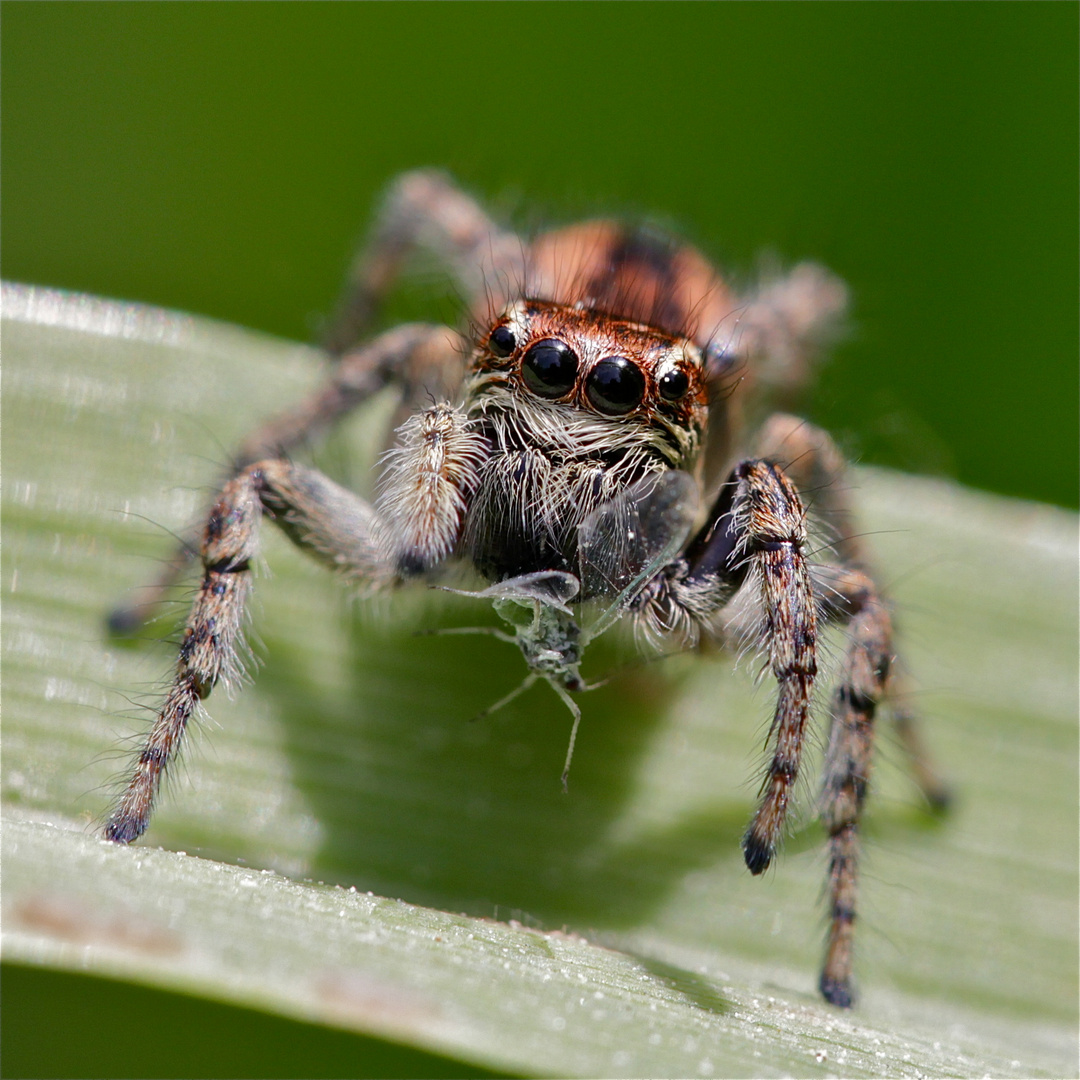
point(578, 382)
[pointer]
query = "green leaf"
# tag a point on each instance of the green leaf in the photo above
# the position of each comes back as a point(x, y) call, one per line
point(361, 852)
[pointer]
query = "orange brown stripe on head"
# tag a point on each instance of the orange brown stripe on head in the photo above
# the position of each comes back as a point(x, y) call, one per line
point(581, 360)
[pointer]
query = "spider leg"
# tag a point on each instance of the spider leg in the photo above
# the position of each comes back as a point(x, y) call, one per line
point(810, 457)
point(817, 468)
point(422, 358)
point(332, 524)
point(846, 592)
point(417, 524)
point(785, 323)
point(850, 594)
point(768, 343)
point(756, 528)
point(770, 530)
point(425, 361)
point(908, 728)
point(423, 210)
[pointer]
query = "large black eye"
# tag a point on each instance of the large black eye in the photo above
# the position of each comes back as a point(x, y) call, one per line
point(673, 384)
point(550, 368)
point(615, 385)
point(501, 341)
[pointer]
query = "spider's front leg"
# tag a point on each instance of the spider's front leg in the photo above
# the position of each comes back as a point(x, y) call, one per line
point(430, 479)
point(766, 531)
point(757, 527)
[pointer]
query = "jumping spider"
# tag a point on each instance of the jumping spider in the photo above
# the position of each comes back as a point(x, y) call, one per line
point(561, 448)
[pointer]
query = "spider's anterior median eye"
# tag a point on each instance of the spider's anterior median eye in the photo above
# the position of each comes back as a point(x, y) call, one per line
point(673, 384)
point(615, 385)
point(501, 341)
point(549, 368)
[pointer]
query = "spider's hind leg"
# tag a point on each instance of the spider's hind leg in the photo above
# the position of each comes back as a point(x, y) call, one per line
point(424, 211)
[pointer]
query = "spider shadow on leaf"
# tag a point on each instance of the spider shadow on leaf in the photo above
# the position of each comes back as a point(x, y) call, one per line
point(421, 800)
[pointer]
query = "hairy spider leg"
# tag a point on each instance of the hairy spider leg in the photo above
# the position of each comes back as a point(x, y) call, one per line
point(755, 533)
point(846, 591)
point(405, 355)
point(413, 527)
point(756, 529)
point(809, 456)
point(422, 210)
point(329, 522)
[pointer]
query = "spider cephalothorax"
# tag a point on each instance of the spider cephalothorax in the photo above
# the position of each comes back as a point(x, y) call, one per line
point(581, 444)
point(576, 408)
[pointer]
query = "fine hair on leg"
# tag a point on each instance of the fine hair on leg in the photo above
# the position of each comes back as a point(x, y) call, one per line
point(338, 528)
point(419, 357)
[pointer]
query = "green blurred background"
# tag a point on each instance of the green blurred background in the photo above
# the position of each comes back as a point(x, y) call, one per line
point(223, 158)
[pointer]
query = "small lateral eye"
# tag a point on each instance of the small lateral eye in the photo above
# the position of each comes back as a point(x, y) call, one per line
point(615, 385)
point(501, 341)
point(549, 368)
point(673, 384)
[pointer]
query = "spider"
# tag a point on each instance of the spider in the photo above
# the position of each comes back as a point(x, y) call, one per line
point(578, 448)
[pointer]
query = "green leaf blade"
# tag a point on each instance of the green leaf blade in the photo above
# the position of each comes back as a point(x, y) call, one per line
point(351, 760)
